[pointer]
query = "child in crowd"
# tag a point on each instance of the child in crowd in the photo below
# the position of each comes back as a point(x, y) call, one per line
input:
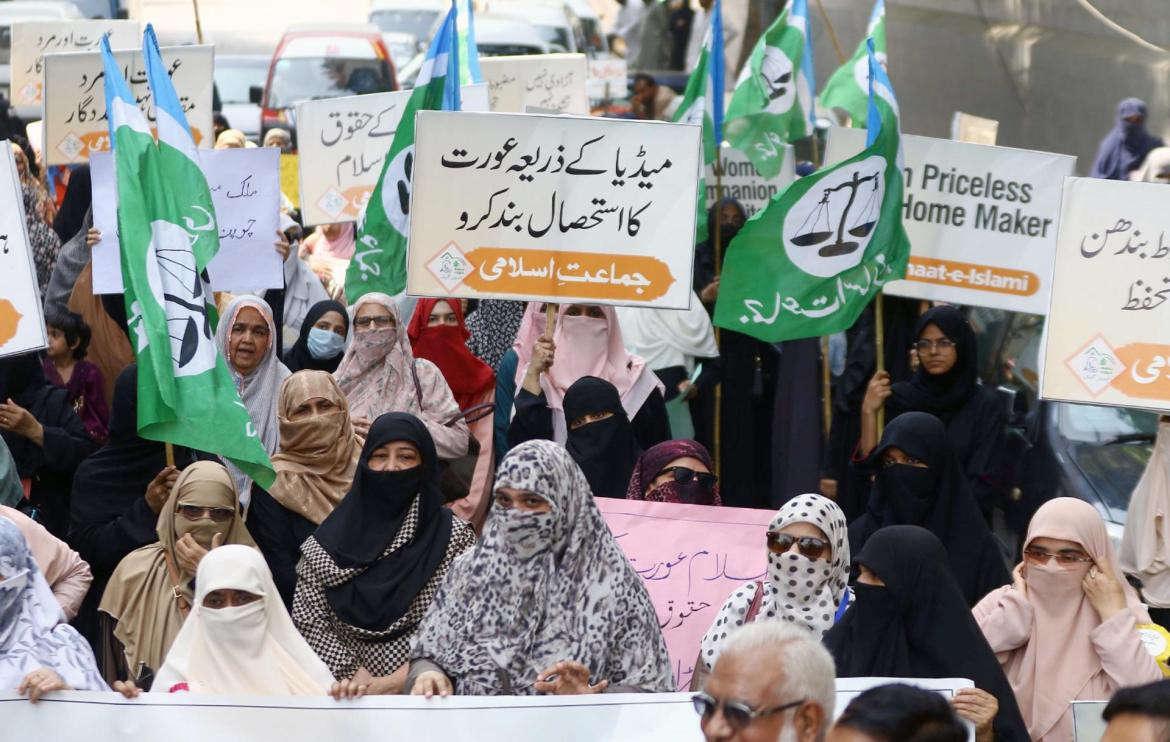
point(65, 366)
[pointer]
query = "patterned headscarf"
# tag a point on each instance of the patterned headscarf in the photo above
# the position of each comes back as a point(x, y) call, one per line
point(541, 588)
point(375, 373)
point(655, 459)
point(797, 589)
point(493, 327)
point(33, 632)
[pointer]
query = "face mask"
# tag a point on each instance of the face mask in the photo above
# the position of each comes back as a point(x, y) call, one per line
point(1052, 582)
point(910, 492)
point(202, 530)
point(324, 344)
point(239, 628)
point(690, 493)
point(374, 345)
point(525, 535)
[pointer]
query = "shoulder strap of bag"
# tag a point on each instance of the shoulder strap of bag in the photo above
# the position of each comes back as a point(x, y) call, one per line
point(181, 601)
point(757, 600)
point(417, 386)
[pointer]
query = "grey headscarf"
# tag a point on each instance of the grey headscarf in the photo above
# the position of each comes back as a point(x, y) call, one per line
point(11, 490)
point(259, 390)
point(33, 632)
point(541, 588)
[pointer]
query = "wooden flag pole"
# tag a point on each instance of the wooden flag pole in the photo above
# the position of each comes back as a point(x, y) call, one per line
point(550, 319)
point(170, 451)
point(198, 27)
point(826, 371)
point(841, 58)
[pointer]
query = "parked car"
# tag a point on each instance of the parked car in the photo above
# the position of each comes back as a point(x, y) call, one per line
point(555, 22)
point(495, 36)
point(235, 75)
point(313, 62)
point(1058, 449)
point(413, 17)
point(19, 10)
point(595, 43)
point(402, 47)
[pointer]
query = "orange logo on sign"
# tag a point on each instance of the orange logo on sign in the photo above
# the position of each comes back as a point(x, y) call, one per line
point(504, 270)
point(1148, 373)
point(9, 320)
point(972, 276)
point(99, 141)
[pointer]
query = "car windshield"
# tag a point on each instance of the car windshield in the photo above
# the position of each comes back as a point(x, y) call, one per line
point(233, 78)
point(298, 79)
point(558, 35)
point(416, 22)
point(506, 50)
point(1094, 424)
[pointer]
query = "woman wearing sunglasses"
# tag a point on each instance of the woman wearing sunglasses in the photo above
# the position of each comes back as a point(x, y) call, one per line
point(1066, 629)
point(675, 471)
point(806, 581)
point(909, 620)
point(918, 483)
point(151, 591)
point(946, 384)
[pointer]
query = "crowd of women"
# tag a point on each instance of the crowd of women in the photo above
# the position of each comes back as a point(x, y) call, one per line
point(432, 528)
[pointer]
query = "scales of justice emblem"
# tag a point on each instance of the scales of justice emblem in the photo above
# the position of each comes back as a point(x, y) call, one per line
point(828, 229)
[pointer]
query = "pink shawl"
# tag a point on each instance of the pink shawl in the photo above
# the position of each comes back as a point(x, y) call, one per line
point(378, 379)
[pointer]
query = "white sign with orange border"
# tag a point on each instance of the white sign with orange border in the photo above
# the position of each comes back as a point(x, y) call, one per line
point(982, 220)
point(32, 40)
point(75, 97)
point(554, 208)
point(1108, 332)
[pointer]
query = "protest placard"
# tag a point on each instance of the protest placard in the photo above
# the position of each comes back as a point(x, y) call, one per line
point(981, 220)
point(341, 143)
point(692, 558)
point(1106, 339)
point(245, 188)
point(612, 717)
point(75, 101)
point(290, 177)
point(744, 183)
point(31, 40)
point(607, 79)
point(22, 324)
point(552, 208)
point(554, 82)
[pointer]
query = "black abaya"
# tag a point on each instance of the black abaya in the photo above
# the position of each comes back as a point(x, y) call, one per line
point(606, 450)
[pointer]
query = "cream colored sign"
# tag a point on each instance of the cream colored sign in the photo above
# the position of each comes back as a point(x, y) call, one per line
point(75, 97)
point(22, 326)
point(551, 82)
point(32, 40)
point(1108, 333)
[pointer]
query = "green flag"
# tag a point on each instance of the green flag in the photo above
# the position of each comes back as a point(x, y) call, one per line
point(168, 234)
point(848, 88)
point(702, 107)
point(807, 264)
point(773, 99)
point(379, 258)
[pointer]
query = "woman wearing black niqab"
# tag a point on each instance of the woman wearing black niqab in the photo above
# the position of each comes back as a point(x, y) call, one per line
point(912, 622)
point(600, 437)
point(917, 483)
point(70, 218)
point(946, 385)
point(1126, 145)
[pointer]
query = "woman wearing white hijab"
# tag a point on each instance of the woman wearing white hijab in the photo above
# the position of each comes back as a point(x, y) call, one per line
point(239, 638)
point(1145, 547)
point(39, 652)
point(806, 583)
point(247, 338)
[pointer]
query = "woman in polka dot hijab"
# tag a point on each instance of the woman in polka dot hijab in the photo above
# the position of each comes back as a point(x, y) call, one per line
point(806, 581)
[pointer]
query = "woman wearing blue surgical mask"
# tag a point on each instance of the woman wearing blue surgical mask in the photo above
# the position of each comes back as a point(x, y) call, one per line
point(321, 342)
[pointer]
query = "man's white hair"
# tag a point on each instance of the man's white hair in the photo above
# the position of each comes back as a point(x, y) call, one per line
point(808, 667)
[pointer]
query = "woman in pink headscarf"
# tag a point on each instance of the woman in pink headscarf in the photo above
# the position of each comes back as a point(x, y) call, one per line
point(590, 344)
point(1066, 630)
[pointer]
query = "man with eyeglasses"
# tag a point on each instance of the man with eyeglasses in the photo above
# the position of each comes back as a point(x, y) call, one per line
point(772, 683)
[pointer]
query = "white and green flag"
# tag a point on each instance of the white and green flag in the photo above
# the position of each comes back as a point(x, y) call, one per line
point(168, 234)
point(773, 99)
point(702, 105)
point(809, 262)
point(379, 257)
point(848, 88)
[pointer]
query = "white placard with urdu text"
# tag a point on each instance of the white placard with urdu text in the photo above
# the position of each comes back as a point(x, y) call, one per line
point(31, 40)
point(22, 322)
point(555, 208)
point(75, 98)
point(245, 188)
point(341, 143)
point(981, 220)
point(553, 82)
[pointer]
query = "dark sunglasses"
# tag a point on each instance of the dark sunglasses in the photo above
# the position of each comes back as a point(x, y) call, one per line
point(198, 512)
point(809, 546)
point(738, 715)
point(683, 475)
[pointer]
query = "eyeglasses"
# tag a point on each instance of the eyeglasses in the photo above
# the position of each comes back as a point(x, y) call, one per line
point(683, 475)
point(380, 321)
point(738, 715)
point(941, 345)
point(198, 512)
point(809, 546)
point(1068, 558)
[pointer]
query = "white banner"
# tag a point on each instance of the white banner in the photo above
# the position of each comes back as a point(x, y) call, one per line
point(31, 40)
point(75, 97)
point(552, 82)
point(1107, 338)
point(553, 208)
point(22, 323)
point(607, 78)
point(982, 220)
point(341, 143)
point(188, 717)
point(744, 183)
point(245, 188)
